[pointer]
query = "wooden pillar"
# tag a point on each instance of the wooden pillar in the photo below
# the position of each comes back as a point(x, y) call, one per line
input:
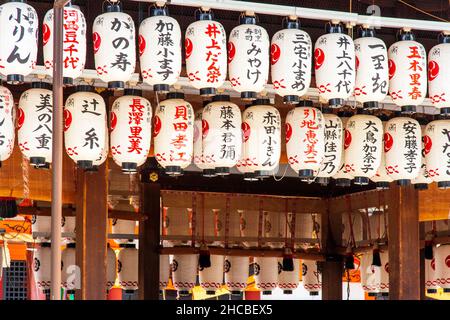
point(92, 232)
point(404, 243)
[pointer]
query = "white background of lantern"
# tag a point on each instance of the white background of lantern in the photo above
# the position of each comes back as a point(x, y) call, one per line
point(430, 273)
point(442, 264)
point(438, 162)
point(198, 142)
point(288, 280)
point(120, 226)
point(333, 145)
point(267, 277)
point(381, 175)
point(68, 224)
point(69, 269)
point(41, 224)
point(342, 172)
point(7, 127)
point(164, 271)
point(438, 75)
point(111, 268)
point(128, 268)
point(423, 176)
point(184, 271)
point(312, 278)
point(41, 267)
point(211, 278)
point(236, 272)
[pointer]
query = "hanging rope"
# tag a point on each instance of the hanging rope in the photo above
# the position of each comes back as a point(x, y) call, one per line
point(423, 11)
point(193, 218)
point(368, 218)
point(260, 221)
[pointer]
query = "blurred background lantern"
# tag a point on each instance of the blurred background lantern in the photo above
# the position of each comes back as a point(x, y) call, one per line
point(236, 274)
point(266, 274)
point(211, 278)
point(184, 272)
point(127, 267)
point(7, 132)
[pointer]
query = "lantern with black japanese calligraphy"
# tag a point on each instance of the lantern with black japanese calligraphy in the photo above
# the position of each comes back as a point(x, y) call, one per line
point(438, 74)
point(35, 124)
point(74, 42)
point(164, 271)
point(42, 267)
point(160, 49)
point(68, 269)
point(402, 146)
point(184, 272)
point(407, 72)
point(381, 178)
point(248, 57)
point(222, 137)
point(334, 57)
point(305, 139)
point(422, 181)
point(206, 53)
point(442, 264)
point(127, 267)
point(261, 130)
point(7, 132)
point(19, 39)
point(131, 117)
point(85, 126)
point(343, 177)
point(211, 278)
point(288, 280)
point(173, 132)
point(111, 268)
point(114, 45)
point(236, 273)
point(437, 152)
point(362, 143)
point(200, 162)
point(431, 284)
point(266, 274)
point(102, 158)
point(311, 277)
point(290, 59)
point(372, 71)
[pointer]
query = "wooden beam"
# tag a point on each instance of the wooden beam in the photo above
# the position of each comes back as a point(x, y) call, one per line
point(434, 203)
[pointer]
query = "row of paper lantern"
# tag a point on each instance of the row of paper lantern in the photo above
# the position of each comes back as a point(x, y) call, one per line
point(437, 270)
point(364, 68)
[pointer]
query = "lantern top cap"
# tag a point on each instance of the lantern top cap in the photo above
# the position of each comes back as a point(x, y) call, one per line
point(366, 32)
point(71, 245)
point(84, 88)
point(334, 27)
point(444, 37)
point(204, 15)
point(405, 34)
point(175, 95)
point(159, 11)
point(132, 92)
point(21, 1)
point(46, 244)
point(41, 85)
point(247, 18)
point(109, 6)
point(127, 245)
point(221, 97)
point(291, 22)
point(305, 103)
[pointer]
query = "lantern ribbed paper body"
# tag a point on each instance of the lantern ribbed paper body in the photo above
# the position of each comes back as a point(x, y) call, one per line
point(130, 131)
point(68, 224)
point(437, 152)
point(266, 274)
point(407, 73)
point(211, 278)
point(19, 39)
point(199, 159)
point(35, 124)
point(120, 226)
point(261, 130)
point(372, 71)
point(343, 176)
point(164, 271)
point(111, 268)
point(42, 267)
point(69, 269)
point(312, 278)
point(288, 280)
point(74, 43)
point(431, 284)
point(438, 75)
point(402, 146)
point(184, 272)
point(367, 273)
point(128, 267)
point(114, 39)
point(423, 179)
point(7, 132)
point(206, 54)
point(290, 59)
point(248, 57)
point(173, 132)
point(41, 224)
point(362, 144)
point(442, 264)
point(334, 56)
point(222, 135)
point(160, 49)
point(333, 146)
point(103, 156)
point(384, 278)
point(236, 273)
point(85, 127)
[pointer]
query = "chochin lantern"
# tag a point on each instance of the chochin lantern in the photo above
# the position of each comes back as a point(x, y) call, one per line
point(7, 133)
point(114, 45)
point(74, 43)
point(407, 72)
point(372, 71)
point(266, 274)
point(160, 49)
point(68, 265)
point(431, 284)
point(438, 74)
point(173, 132)
point(311, 277)
point(35, 124)
point(236, 273)
point(128, 267)
point(164, 271)
point(184, 272)
point(291, 61)
point(343, 177)
point(402, 145)
point(120, 226)
point(442, 264)
point(221, 132)
point(200, 162)
point(211, 278)
point(42, 268)
point(261, 131)
point(381, 177)
point(422, 181)
point(363, 143)
point(19, 39)
point(85, 126)
point(206, 53)
point(248, 57)
point(111, 268)
point(131, 117)
point(241, 164)
point(437, 152)
point(334, 56)
point(288, 280)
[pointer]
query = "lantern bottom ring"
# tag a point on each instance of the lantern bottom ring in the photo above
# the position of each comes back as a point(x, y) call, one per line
point(292, 99)
point(209, 173)
point(174, 170)
point(222, 171)
point(382, 185)
point(261, 174)
point(129, 167)
point(93, 169)
point(162, 88)
point(371, 105)
point(336, 102)
point(361, 181)
point(421, 186)
point(342, 182)
point(445, 112)
point(250, 176)
point(306, 173)
point(84, 164)
point(15, 78)
point(116, 85)
point(248, 95)
point(444, 184)
point(130, 291)
point(446, 290)
point(207, 92)
point(287, 291)
point(182, 293)
point(404, 182)
point(37, 161)
point(431, 290)
point(235, 292)
point(70, 291)
point(210, 292)
point(323, 181)
point(68, 81)
point(408, 109)
point(267, 293)
point(314, 293)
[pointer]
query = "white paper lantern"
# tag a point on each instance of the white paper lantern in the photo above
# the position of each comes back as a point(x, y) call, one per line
point(442, 264)
point(85, 126)
point(291, 55)
point(111, 268)
point(248, 57)
point(333, 147)
point(407, 73)
point(19, 39)
point(343, 177)
point(402, 145)
point(200, 162)
point(437, 152)
point(42, 267)
point(68, 224)
point(236, 273)
point(431, 284)
point(363, 143)
point(422, 181)
point(164, 271)
point(261, 130)
point(69, 278)
point(103, 156)
point(372, 70)
point(241, 164)
point(381, 178)
point(184, 272)
point(211, 278)
point(311, 277)
point(160, 49)
point(173, 132)
point(127, 269)
point(114, 41)
point(206, 53)
point(266, 274)
point(221, 132)
point(41, 225)
point(131, 117)
point(384, 270)
point(438, 74)
point(120, 226)
point(334, 56)
point(74, 43)
point(35, 124)
point(7, 132)
point(288, 280)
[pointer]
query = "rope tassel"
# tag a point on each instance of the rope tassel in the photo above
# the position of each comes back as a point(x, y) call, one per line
point(204, 259)
point(376, 258)
point(428, 250)
point(288, 260)
point(349, 258)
